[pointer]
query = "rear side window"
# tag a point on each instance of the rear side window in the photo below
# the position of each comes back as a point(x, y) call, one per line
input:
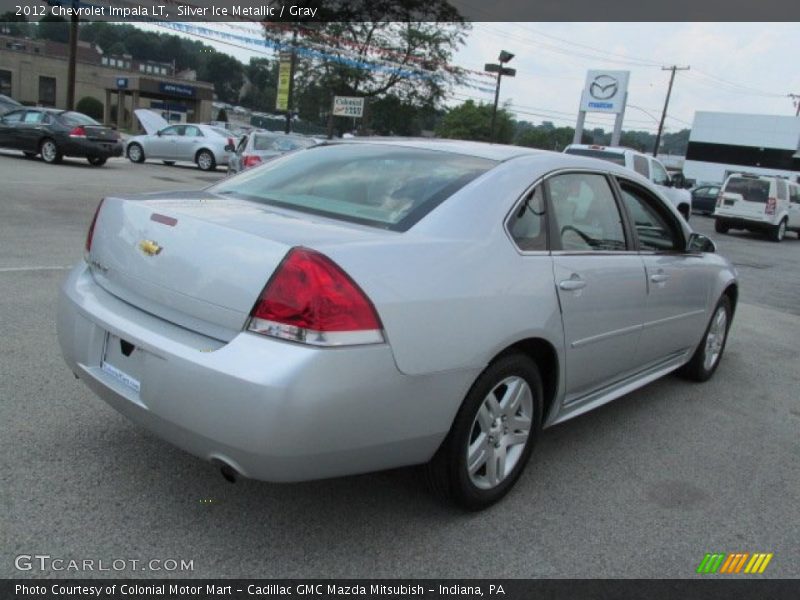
point(751, 189)
point(585, 213)
point(640, 165)
point(782, 192)
point(373, 184)
point(527, 224)
point(794, 193)
point(33, 117)
point(614, 157)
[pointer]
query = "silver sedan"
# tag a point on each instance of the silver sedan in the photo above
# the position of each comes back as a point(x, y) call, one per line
point(204, 145)
point(361, 306)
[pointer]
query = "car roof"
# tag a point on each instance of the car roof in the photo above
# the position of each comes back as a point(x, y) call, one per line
point(497, 152)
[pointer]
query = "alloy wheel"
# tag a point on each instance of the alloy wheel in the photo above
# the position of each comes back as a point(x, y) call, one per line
point(500, 430)
point(715, 339)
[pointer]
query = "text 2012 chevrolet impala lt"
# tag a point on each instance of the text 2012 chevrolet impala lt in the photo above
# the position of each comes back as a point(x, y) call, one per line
point(360, 306)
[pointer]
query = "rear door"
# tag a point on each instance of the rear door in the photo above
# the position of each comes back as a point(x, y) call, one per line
point(794, 205)
point(746, 197)
point(600, 281)
point(677, 282)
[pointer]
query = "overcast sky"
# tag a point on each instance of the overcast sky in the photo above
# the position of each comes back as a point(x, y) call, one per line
point(735, 67)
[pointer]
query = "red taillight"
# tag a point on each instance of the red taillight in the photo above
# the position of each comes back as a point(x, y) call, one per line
point(78, 132)
point(250, 160)
point(231, 142)
point(310, 299)
point(770, 207)
point(90, 233)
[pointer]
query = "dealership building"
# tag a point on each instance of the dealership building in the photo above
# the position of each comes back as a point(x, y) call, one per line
point(34, 72)
point(721, 143)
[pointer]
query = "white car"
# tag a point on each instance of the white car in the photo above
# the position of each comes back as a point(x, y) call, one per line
point(647, 166)
point(201, 144)
point(758, 203)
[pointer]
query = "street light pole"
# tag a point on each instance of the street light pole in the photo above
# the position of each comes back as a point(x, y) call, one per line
point(500, 70)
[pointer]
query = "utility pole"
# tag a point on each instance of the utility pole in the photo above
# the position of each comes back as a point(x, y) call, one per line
point(796, 99)
point(73, 52)
point(673, 68)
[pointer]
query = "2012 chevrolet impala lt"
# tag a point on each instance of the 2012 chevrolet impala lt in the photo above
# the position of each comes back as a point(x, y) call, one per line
point(360, 306)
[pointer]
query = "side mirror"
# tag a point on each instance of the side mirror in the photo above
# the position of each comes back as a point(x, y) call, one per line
point(229, 147)
point(700, 243)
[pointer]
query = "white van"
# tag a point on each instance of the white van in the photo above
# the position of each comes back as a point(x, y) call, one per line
point(645, 165)
point(758, 203)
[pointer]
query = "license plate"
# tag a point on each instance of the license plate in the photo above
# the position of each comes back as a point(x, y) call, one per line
point(122, 361)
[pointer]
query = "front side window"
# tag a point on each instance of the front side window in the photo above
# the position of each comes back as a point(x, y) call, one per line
point(585, 213)
point(174, 130)
point(660, 176)
point(527, 225)
point(381, 185)
point(655, 230)
point(640, 165)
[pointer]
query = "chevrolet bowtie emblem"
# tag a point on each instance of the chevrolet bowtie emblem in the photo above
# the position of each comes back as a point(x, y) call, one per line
point(149, 247)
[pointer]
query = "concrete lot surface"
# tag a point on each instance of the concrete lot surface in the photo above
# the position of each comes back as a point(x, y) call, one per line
point(642, 487)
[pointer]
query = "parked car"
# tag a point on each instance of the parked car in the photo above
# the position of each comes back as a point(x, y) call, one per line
point(55, 133)
point(704, 199)
point(261, 146)
point(758, 203)
point(201, 144)
point(371, 304)
point(645, 165)
point(7, 104)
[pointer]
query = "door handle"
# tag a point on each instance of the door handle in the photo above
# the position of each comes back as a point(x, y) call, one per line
point(572, 284)
point(659, 277)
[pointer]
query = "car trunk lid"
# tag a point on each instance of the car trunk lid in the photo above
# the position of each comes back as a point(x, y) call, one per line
point(197, 259)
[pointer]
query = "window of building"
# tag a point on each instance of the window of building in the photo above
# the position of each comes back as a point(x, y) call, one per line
point(47, 91)
point(5, 83)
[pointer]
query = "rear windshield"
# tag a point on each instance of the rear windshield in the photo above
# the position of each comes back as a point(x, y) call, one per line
point(614, 157)
point(752, 190)
point(75, 118)
point(279, 143)
point(373, 184)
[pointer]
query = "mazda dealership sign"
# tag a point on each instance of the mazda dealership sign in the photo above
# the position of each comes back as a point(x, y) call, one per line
point(605, 91)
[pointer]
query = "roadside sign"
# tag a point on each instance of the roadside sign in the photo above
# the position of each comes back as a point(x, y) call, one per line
point(348, 106)
point(284, 75)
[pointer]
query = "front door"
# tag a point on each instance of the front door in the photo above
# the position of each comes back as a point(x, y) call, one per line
point(677, 281)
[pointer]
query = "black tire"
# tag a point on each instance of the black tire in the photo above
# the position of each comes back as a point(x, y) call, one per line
point(96, 161)
point(205, 161)
point(136, 153)
point(30, 154)
point(778, 232)
point(169, 163)
point(447, 473)
point(698, 368)
point(51, 153)
point(721, 226)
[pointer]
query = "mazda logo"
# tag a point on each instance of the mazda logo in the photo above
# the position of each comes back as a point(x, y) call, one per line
point(604, 87)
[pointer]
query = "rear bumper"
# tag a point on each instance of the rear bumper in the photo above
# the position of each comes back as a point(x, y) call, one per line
point(742, 223)
point(84, 148)
point(273, 410)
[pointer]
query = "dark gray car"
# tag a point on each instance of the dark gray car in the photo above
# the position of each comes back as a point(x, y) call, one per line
point(260, 146)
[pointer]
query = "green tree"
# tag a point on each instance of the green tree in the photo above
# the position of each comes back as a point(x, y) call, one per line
point(226, 73)
point(53, 28)
point(91, 106)
point(472, 121)
point(12, 24)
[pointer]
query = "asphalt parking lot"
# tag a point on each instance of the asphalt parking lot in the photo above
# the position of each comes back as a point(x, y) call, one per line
point(643, 487)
